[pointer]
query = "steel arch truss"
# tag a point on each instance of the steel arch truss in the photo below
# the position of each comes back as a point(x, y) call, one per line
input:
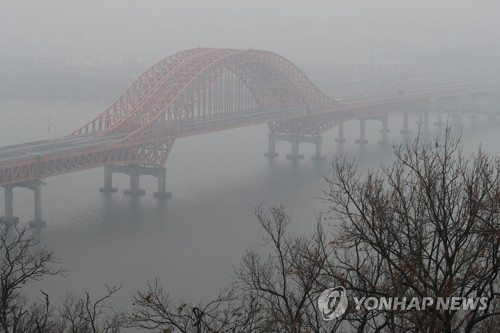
point(199, 88)
point(138, 92)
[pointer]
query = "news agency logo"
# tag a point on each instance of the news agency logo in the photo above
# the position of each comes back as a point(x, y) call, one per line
point(332, 303)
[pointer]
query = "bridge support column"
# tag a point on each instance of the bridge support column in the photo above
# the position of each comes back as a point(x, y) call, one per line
point(341, 139)
point(319, 150)
point(473, 117)
point(162, 192)
point(135, 172)
point(496, 105)
point(108, 181)
point(457, 120)
point(135, 189)
point(295, 140)
point(405, 131)
point(362, 132)
point(492, 115)
point(385, 131)
point(295, 154)
point(271, 152)
point(423, 123)
point(473, 112)
point(9, 218)
point(9, 202)
point(37, 190)
point(439, 123)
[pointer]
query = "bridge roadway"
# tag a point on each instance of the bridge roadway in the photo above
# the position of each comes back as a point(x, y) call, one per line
point(43, 148)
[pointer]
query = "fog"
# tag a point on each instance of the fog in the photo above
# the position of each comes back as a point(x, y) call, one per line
point(325, 30)
point(64, 62)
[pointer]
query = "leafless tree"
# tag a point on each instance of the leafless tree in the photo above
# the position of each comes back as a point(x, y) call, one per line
point(287, 282)
point(84, 315)
point(229, 312)
point(22, 261)
point(426, 226)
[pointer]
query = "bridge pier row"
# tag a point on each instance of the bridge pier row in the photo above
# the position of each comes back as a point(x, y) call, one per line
point(271, 152)
point(135, 172)
point(405, 131)
point(341, 139)
point(362, 132)
point(9, 218)
point(295, 140)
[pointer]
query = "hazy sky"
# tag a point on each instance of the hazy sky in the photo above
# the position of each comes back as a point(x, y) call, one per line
point(151, 29)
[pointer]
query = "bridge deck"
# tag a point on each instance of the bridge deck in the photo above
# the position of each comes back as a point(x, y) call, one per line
point(22, 161)
point(30, 150)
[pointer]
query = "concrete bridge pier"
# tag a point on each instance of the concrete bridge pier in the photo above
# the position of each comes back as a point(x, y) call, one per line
point(9, 218)
point(108, 181)
point(423, 123)
point(318, 156)
point(362, 132)
point(271, 152)
point(473, 111)
point(162, 193)
point(457, 120)
point(134, 189)
point(496, 105)
point(341, 139)
point(405, 131)
point(295, 143)
point(439, 123)
point(473, 117)
point(37, 190)
point(492, 114)
point(385, 131)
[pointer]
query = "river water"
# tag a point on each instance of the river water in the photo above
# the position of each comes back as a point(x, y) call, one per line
point(193, 240)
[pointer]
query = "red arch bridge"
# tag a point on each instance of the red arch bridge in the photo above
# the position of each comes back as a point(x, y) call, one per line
point(205, 90)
